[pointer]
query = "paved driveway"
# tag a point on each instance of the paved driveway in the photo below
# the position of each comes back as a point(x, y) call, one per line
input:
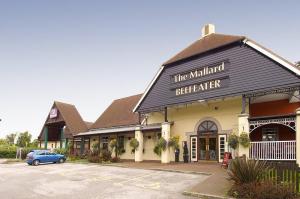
point(91, 181)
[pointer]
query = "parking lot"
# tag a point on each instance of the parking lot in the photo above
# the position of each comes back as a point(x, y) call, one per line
point(70, 180)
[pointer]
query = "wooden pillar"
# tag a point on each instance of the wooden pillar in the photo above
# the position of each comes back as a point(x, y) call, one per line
point(243, 104)
point(66, 143)
point(82, 145)
point(61, 137)
point(89, 145)
point(46, 137)
point(166, 114)
point(99, 143)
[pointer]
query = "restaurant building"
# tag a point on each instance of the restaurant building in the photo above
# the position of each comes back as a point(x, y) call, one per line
point(224, 84)
point(217, 86)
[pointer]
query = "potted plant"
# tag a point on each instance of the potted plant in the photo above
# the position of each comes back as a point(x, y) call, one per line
point(244, 139)
point(233, 141)
point(185, 153)
point(160, 146)
point(134, 144)
point(174, 143)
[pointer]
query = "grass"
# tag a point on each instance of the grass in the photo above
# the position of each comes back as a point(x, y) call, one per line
point(12, 161)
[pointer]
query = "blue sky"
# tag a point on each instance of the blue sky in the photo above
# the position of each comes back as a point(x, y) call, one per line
point(89, 53)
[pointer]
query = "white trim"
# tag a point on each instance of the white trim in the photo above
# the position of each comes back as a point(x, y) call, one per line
point(225, 146)
point(272, 56)
point(194, 149)
point(148, 88)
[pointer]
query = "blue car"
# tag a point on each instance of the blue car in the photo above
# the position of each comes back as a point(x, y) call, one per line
point(35, 157)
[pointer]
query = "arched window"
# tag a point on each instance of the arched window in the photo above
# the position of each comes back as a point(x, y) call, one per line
point(207, 127)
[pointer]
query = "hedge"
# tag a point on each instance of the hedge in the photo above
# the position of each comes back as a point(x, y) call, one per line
point(8, 152)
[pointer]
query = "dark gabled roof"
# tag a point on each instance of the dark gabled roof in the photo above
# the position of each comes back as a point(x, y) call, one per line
point(70, 116)
point(119, 113)
point(205, 44)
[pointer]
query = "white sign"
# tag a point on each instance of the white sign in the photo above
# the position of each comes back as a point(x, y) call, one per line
point(53, 113)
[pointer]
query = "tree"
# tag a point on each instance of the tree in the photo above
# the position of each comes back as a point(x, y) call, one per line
point(24, 139)
point(11, 138)
point(34, 143)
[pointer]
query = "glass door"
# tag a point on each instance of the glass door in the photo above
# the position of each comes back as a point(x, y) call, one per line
point(208, 148)
point(202, 147)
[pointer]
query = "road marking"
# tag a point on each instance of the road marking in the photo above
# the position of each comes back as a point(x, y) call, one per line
point(69, 170)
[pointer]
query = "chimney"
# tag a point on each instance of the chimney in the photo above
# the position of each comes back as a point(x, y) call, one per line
point(208, 29)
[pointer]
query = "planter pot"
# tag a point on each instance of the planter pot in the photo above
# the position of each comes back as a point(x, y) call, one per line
point(177, 151)
point(185, 158)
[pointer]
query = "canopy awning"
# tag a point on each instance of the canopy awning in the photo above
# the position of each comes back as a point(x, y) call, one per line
point(119, 130)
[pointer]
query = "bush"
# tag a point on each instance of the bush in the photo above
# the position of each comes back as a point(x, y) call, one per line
point(115, 159)
point(8, 151)
point(105, 155)
point(160, 146)
point(246, 171)
point(264, 190)
point(62, 151)
point(94, 158)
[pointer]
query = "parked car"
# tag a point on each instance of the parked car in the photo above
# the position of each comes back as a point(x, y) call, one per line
point(35, 157)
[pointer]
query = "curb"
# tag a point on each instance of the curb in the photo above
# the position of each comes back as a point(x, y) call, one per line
point(204, 196)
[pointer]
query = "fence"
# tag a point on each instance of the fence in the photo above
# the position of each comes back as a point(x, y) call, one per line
point(286, 173)
point(273, 150)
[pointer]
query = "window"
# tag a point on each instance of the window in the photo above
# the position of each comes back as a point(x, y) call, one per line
point(121, 142)
point(104, 141)
point(270, 134)
point(207, 127)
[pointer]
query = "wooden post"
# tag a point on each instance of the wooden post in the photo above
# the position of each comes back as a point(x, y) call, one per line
point(166, 114)
point(46, 137)
point(243, 104)
point(61, 137)
point(82, 145)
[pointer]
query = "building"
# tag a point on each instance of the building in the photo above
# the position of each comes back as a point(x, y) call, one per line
point(62, 123)
point(222, 84)
point(217, 86)
point(119, 122)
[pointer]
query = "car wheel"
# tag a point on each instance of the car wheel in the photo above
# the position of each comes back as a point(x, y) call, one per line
point(36, 162)
point(61, 160)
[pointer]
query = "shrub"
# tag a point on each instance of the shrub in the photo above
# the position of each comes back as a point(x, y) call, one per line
point(174, 142)
point(244, 139)
point(105, 155)
point(263, 190)
point(134, 144)
point(8, 151)
point(233, 141)
point(62, 151)
point(246, 171)
point(94, 158)
point(115, 159)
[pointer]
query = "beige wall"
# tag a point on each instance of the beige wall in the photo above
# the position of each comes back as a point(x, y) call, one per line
point(149, 146)
point(51, 144)
point(187, 118)
point(127, 155)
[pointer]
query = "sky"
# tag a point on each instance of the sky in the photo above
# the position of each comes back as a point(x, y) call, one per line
point(89, 53)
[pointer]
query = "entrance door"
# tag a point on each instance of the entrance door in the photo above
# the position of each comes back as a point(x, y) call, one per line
point(208, 147)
